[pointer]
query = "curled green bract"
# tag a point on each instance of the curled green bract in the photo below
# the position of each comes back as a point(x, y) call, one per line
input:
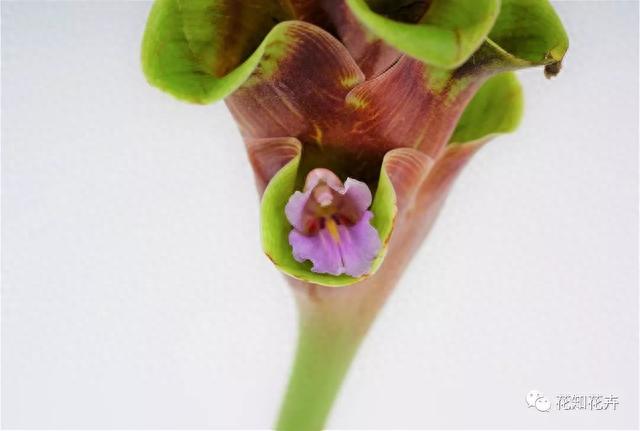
point(496, 108)
point(503, 35)
point(275, 227)
point(201, 51)
point(184, 54)
point(529, 33)
point(445, 37)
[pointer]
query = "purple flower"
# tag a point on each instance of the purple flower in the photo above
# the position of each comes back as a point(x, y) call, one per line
point(331, 225)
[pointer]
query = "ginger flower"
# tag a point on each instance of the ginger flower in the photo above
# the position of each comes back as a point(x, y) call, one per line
point(357, 117)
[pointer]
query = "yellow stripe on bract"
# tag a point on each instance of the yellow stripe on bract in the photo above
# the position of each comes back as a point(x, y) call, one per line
point(317, 134)
point(350, 81)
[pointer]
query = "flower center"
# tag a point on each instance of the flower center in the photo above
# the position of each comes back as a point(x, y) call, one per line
point(331, 225)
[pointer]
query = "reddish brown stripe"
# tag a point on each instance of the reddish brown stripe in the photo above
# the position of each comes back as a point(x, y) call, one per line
point(407, 168)
point(268, 156)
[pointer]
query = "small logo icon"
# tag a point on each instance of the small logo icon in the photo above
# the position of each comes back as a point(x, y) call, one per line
point(543, 404)
point(537, 399)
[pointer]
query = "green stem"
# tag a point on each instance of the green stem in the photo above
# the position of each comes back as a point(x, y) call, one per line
point(327, 342)
point(333, 322)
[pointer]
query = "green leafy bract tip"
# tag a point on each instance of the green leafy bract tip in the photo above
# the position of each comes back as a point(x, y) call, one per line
point(199, 50)
point(500, 35)
point(275, 227)
point(185, 53)
point(528, 33)
point(496, 108)
point(445, 37)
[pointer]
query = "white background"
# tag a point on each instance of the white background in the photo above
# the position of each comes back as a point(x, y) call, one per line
point(135, 293)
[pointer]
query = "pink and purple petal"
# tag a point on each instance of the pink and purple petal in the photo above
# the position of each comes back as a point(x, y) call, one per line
point(359, 245)
point(320, 249)
point(357, 196)
point(353, 254)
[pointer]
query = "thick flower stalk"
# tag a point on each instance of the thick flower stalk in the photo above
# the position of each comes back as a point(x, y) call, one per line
point(357, 117)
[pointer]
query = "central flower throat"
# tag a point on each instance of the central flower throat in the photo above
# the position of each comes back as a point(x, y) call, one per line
point(331, 225)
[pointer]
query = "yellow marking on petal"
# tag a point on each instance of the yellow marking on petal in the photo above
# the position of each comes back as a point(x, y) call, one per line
point(332, 227)
point(419, 139)
point(317, 134)
point(349, 81)
point(357, 102)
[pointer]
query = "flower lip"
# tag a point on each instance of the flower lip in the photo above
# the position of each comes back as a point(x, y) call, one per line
point(331, 225)
point(325, 197)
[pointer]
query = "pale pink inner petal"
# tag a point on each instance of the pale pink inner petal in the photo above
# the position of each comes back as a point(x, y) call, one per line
point(323, 175)
point(295, 209)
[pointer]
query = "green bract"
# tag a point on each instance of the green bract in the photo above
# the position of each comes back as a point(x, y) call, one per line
point(185, 51)
point(528, 33)
point(495, 108)
point(524, 33)
point(275, 227)
point(446, 36)
point(202, 50)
